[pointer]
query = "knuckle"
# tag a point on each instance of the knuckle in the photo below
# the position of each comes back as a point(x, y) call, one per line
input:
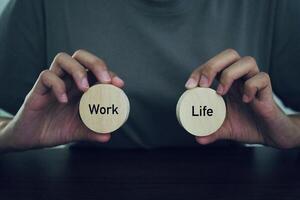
point(60, 56)
point(249, 60)
point(44, 74)
point(78, 52)
point(208, 69)
point(266, 77)
point(233, 52)
point(249, 85)
point(226, 75)
point(256, 70)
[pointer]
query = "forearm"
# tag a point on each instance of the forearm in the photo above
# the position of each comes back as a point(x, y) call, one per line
point(296, 119)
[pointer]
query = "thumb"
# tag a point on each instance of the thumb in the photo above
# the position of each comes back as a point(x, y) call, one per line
point(222, 133)
point(204, 140)
point(93, 136)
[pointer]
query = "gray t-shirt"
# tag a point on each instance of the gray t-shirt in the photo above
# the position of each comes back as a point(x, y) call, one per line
point(153, 45)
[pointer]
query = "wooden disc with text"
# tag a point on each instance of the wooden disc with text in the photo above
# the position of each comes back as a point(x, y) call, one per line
point(201, 111)
point(104, 108)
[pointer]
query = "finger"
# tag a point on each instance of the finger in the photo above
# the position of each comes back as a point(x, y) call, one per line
point(115, 80)
point(204, 140)
point(93, 63)
point(207, 72)
point(64, 63)
point(50, 81)
point(88, 135)
point(245, 67)
point(258, 86)
point(92, 136)
point(193, 79)
point(220, 134)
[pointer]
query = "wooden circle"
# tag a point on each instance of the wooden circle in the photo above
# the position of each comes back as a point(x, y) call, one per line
point(201, 111)
point(104, 108)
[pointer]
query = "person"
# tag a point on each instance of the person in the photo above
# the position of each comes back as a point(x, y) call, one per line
point(151, 46)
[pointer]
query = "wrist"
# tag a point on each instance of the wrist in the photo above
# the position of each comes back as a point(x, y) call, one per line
point(274, 126)
point(295, 128)
point(6, 135)
point(283, 132)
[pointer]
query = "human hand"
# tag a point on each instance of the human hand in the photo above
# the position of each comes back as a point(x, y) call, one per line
point(252, 115)
point(49, 115)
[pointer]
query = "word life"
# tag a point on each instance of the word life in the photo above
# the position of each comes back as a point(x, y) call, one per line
point(203, 111)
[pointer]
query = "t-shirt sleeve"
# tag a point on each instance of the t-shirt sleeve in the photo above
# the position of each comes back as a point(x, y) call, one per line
point(285, 55)
point(22, 51)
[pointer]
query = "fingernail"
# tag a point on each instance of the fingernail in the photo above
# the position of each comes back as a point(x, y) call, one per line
point(64, 98)
point(203, 81)
point(191, 83)
point(105, 77)
point(85, 83)
point(220, 89)
point(246, 98)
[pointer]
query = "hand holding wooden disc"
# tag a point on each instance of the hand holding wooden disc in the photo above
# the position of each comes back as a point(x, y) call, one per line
point(201, 111)
point(104, 108)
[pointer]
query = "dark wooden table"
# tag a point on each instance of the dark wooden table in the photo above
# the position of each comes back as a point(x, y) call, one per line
point(202, 173)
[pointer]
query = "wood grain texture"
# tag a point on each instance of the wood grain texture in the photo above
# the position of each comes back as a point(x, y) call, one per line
point(104, 108)
point(201, 111)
